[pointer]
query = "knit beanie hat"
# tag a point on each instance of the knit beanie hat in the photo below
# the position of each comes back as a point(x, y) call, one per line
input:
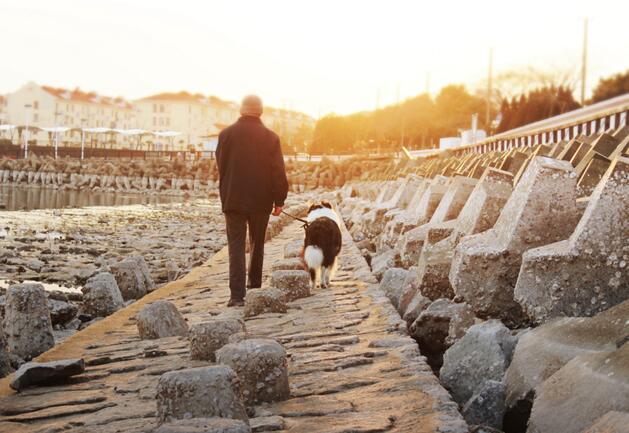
point(251, 106)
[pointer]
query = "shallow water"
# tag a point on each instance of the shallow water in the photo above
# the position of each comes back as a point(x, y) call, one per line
point(29, 198)
point(4, 284)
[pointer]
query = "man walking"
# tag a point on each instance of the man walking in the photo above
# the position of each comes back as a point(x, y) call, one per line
point(252, 184)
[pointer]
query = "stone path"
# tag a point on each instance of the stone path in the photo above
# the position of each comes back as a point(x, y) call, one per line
point(352, 366)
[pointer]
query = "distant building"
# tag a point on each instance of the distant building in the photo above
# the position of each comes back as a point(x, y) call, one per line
point(46, 106)
point(3, 109)
point(194, 116)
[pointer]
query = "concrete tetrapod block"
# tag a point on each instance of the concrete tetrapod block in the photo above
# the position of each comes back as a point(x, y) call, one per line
point(207, 337)
point(589, 272)
point(479, 214)
point(582, 391)
point(261, 365)
point(160, 319)
point(294, 284)
point(427, 205)
point(204, 425)
point(259, 301)
point(27, 325)
point(542, 209)
point(545, 349)
point(448, 209)
point(202, 392)
point(393, 228)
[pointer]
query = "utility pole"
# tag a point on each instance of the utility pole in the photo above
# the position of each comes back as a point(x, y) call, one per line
point(489, 88)
point(584, 61)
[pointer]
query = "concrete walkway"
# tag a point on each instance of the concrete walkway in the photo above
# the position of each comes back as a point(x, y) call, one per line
point(352, 367)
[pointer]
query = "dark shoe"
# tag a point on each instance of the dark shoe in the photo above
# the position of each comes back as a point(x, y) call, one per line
point(236, 303)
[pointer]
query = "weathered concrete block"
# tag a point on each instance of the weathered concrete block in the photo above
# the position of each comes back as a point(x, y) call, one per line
point(544, 350)
point(161, 319)
point(261, 365)
point(293, 249)
point(204, 425)
point(294, 284)
point(259, 301)
point(133, 277)
point(288, 264)
point(101, 295)
point(585, 389)
point(207, 337)
point(432, 327)
point(482, 354)
point(588, 272)
point(202, 392)
point(394, 227)
point(27, 324)
point(541, 210)
point(36, 373)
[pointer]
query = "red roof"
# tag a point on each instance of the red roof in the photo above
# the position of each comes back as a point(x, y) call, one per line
point(79, 95)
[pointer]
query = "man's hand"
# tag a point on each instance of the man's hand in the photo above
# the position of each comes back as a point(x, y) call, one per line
point(277, 210)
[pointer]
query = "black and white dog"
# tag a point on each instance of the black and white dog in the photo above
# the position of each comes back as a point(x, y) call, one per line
point(323, 243)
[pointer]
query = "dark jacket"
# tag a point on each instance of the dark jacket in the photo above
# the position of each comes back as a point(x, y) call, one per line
point(251, 167)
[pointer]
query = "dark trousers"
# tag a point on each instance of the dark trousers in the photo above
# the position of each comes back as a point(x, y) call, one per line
point(236, 232)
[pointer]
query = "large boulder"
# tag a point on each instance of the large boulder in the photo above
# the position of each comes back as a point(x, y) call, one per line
point(207, 337)
point(161, 319)
point(133, 277)
point(101, 295)
point(486, 406)
point(482, 354)
point(202, 392)
point(582, 391)
point(35, 373)
point(261, 365)
point(611, 422)
point(433, 326)
point(27, 324)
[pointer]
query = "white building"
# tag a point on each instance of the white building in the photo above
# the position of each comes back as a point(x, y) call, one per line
point(45, 106)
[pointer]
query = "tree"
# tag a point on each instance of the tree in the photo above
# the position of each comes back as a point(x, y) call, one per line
point(535, 105)
point(612, 86)
point(415, 123)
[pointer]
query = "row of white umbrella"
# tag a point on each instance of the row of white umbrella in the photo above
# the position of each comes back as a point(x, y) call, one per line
point(63, 129)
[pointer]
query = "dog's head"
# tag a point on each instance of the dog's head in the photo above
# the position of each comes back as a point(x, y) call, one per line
point(319, 205)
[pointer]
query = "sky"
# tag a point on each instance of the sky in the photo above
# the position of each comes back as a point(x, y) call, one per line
point(319, 56)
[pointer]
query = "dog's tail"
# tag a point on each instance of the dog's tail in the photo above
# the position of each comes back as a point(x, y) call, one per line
point(313, 256)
